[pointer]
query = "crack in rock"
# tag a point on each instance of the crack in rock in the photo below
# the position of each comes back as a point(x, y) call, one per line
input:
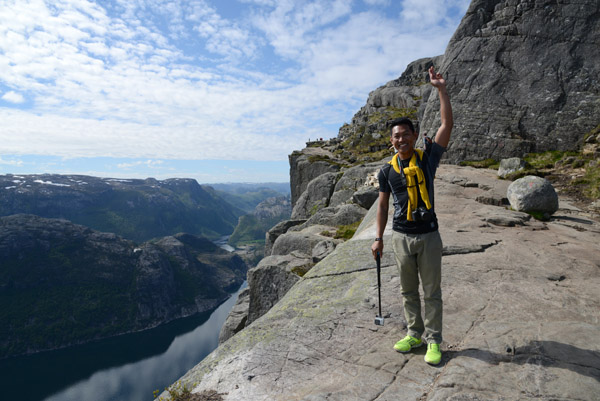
point(364, 269)
point(464, 249)
point(446, 251)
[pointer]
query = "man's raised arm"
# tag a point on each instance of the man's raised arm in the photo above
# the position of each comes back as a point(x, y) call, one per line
point(442, 137)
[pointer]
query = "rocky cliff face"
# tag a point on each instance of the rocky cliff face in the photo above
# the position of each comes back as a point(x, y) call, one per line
point(522, 77)
point(135, 209)
point(402, 97)
point(63, 284)
point(332, 204)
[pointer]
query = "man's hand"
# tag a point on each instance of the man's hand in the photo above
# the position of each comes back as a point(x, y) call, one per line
point(376, 248)
point(436, 79)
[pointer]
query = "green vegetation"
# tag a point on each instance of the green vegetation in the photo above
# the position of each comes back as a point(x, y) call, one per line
point(392, 113)
point(590, 182)
point(181, 392)
point(370, 141)
point(302, 270)
point(315, 208)
point(346, 232)
point(487, 163)
point(539, 216)
point(546, 159)
point(576, 173)
point(251, 230)
point(324, 158)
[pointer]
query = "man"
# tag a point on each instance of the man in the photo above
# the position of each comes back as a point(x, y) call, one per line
point(415, 238)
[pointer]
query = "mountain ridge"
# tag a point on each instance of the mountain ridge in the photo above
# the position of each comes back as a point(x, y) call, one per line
point(133, 208)
point(63, 284)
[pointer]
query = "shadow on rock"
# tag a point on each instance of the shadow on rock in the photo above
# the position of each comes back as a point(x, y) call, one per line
point(541, 353)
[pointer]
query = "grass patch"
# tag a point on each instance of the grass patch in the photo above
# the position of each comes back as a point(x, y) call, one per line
point(181, 392)
point(300, 271)
point(539, 216)
point(487, 163)
point(590, 182)
point(324, 158)
point(546, 159)
point(315, 208)
point(392, 113)
point(560, 167)
point(346, 232)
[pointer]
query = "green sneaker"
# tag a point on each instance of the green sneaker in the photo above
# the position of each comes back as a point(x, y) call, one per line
point(408, 343)
point(433, 355)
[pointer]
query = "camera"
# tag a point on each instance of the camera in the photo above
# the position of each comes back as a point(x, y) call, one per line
point(421, 214)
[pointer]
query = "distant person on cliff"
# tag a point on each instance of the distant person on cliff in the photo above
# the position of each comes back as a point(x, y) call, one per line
point(415, 238)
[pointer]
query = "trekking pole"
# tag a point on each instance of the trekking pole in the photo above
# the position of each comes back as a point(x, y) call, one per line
point(379, 318)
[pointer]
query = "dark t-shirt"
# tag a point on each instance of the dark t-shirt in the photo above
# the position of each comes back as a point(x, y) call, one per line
point(391, 181)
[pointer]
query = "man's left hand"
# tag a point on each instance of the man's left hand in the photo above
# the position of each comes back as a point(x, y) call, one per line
point(436, 79)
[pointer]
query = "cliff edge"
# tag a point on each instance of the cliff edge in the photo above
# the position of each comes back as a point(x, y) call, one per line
point(521, 314)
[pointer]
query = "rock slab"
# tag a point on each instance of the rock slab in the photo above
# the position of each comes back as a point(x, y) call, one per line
point(513, 297)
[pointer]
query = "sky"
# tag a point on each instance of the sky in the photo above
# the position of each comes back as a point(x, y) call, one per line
point(215, 90)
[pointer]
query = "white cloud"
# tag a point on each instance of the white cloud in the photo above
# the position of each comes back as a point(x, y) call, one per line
point(290, 25)
point(160, 79)
point(147, 163)
point(13, 97)
point(431, 12)
point(17, 163)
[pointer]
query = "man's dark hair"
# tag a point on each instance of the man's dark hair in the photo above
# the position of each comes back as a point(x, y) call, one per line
point(401, 121)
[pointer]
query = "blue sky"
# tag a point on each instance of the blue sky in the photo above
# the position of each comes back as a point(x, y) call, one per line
point(219, 91)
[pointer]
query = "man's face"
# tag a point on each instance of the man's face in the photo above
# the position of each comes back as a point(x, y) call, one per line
point(403, 140)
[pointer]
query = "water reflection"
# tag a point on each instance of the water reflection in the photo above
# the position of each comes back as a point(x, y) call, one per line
point(123, 368)
point(222, 243)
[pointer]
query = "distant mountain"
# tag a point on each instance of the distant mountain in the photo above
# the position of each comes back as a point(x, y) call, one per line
point(135, 209)
point(252, 228)
point(63, 284)
point(248, 196)
point(244, 187)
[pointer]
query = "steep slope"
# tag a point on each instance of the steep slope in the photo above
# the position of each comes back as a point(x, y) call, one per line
point(135, 209)
point(63, 284)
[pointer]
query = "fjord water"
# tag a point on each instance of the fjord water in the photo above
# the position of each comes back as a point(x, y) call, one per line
point(127, 368)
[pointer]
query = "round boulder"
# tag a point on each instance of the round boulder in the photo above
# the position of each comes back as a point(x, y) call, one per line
point(532, 194)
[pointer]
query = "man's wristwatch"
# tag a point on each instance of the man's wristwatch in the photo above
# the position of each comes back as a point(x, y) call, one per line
point(378, 239)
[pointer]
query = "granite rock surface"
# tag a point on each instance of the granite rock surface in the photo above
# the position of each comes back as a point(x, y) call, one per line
point(521, 314)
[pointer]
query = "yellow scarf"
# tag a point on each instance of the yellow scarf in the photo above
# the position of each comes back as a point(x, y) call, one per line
point(414, 175)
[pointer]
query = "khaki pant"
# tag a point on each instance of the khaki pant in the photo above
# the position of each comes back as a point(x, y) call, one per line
point(421, 255)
